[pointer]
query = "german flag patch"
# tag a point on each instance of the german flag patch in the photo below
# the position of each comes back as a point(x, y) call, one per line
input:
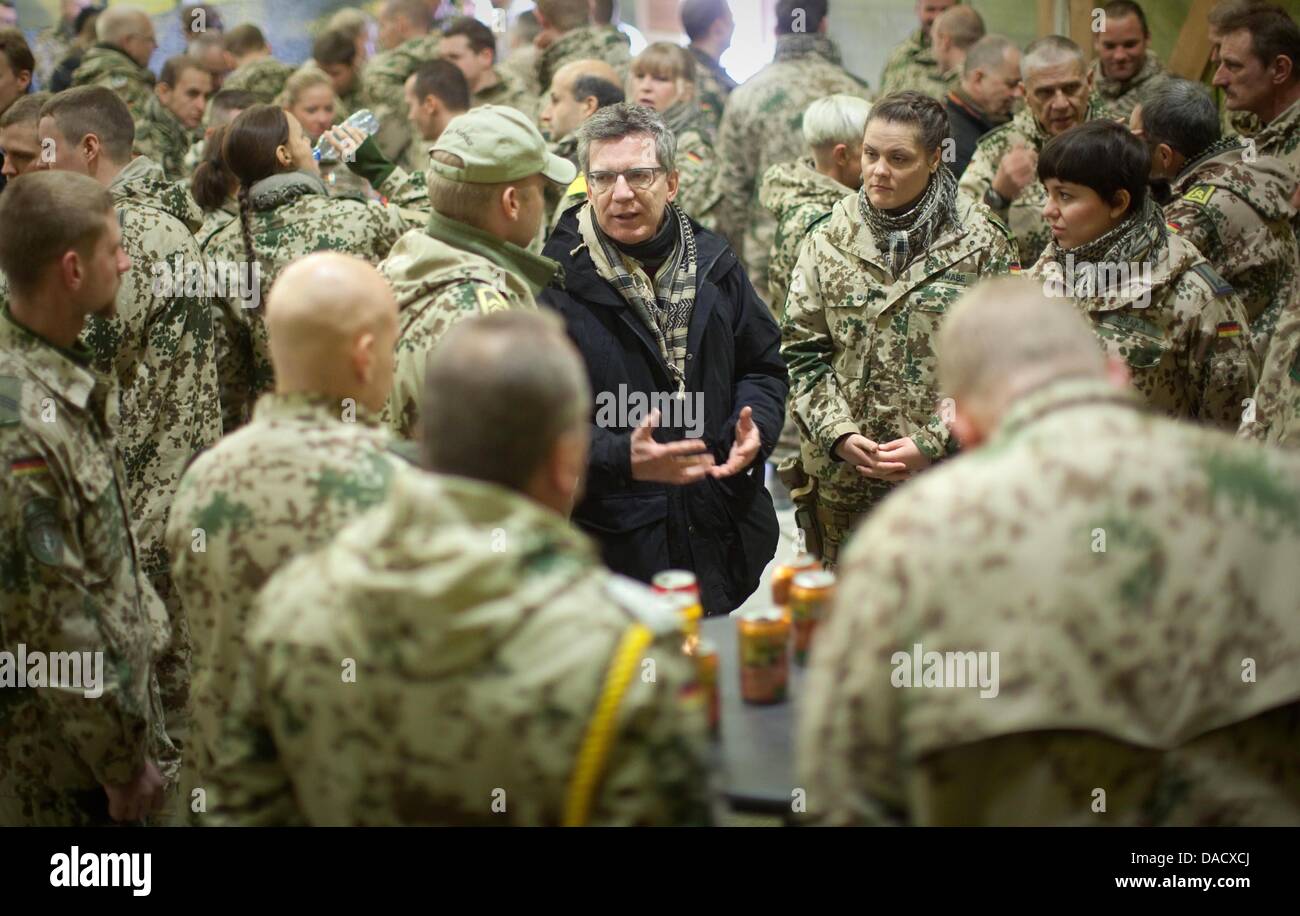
point(1227, 329)
point(695, 157)
point(1173, 227)
point(29, 467)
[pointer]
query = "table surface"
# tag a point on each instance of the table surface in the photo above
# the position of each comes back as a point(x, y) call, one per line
point(756, 743)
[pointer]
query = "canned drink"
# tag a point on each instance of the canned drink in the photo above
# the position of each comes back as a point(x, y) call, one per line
point(783, 574)
point(810, 599)
point(706, 663)
point(690, 611)
point(764, 655)
point(675, 580)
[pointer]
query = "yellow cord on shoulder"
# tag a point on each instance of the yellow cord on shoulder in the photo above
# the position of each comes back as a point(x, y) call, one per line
point(596, 742)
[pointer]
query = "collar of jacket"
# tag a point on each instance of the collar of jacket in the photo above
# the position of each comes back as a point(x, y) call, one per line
point(127, 60)
point(793, 47)
point(156, 111)
point(958, 97)
point(1060, 394)
point(142, 183)
point(65, 371)
point(284, 187)
point(1272, 140)
point(1187, 174)
point(306, 407)
point(918, 47)
point(581, 280)
point(1037, 135)
point(536, 270)
point(714, 65)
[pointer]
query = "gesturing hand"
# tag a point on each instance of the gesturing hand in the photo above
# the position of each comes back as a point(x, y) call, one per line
point(746, 447)
point(673, 462)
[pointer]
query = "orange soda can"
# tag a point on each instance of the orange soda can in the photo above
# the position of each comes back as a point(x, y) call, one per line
point(783, 574)
point(675, 580)
point(689, 610)
point(810, 600)
point(706, 663)
point(764, 655)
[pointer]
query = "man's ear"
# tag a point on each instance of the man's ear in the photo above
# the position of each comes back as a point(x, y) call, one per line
point(91, 148)
point(840, 154)
point(1281, 70)
point(24, 80)
point(72, 270)
point(589, 106)
point(363, 357)
point(673, 179)
point(510, 202)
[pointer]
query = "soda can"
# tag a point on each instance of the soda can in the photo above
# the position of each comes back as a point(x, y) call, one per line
point(810, 600)
point(689, 610)
point(764, 655)
point(675, 580)
point(706, 663)
point(783, 574)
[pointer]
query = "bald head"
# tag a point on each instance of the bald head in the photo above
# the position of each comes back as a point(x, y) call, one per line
point(332, 321)
point(1005, 338)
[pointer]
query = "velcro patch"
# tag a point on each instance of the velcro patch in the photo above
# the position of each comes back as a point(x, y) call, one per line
point(11, 394)
point(1200, 194)
point(1218, 285)
point(1225, 329)
point(43, 530)
point(489, 300)
point(29, 467)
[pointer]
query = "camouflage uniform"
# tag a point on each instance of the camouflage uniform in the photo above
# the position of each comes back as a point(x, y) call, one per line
point(522, 65)
point(713, 86)
point(161, 350)
point(71, 581)
point(108, 66)
point(696, 161)
point(443, 274)
point(1238, 215)
point(161, 136)
point(609, 45)
point(279, 487)
point(193, 156)
point(762, 126)
point(1025, 213)
point(859, 345)
point(49, 48)
point(264, 78)
point(911, 65)
point(1276, 420)
point(291, 215)
point(1119, 670)
point(1188, 345)
point(479, 663)
point(509, 91)
point(382, 87)
point(1120, 98)
point(799, 197)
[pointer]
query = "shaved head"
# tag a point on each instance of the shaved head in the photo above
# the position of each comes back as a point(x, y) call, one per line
point(1005, 338)
point(332, 321)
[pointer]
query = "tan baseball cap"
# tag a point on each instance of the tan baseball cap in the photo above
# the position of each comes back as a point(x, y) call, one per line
point(497, 144)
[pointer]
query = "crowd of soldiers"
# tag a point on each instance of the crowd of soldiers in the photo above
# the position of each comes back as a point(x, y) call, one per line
point(299, 416)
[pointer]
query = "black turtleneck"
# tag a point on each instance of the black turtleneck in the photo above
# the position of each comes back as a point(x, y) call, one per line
point(656, 249)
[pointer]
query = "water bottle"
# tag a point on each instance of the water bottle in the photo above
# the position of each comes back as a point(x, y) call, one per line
point(363, 120)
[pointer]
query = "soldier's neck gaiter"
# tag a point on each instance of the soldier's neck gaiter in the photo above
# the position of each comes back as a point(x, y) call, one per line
point(904, 236)
point(1131, 241)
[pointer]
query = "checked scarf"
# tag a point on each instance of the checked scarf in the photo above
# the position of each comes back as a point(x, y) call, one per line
point(905, 236)
point(665, 302)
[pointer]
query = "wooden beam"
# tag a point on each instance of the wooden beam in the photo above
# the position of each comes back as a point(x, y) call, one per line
point(1046, 17)
point(1081, 25)
point(1192, 51)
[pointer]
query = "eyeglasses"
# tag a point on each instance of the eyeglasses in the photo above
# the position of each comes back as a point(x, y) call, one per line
point(637, 179)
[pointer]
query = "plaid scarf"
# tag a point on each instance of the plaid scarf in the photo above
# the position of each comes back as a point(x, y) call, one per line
point(1217, 148)
point(1131, 242)
point(665, 302)
point(905, 236)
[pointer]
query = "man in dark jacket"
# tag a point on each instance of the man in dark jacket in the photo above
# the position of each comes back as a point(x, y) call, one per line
point(684, 359)
point(989, 87)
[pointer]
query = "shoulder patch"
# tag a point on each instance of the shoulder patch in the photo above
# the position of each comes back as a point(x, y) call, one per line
point(490, 300)
point(11, 400)
point(1199, 194)
point(43, 531)
point(642, 605)
point(1218, 285)
point(997, 221)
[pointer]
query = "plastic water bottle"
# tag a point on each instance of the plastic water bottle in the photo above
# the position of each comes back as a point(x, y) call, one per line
point(363, 120)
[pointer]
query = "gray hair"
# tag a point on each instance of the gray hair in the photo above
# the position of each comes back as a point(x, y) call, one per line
point(615, 122)
point(987, 54)
point(1181, 114)
point(501, 390)
point(962, 24)
point(119, 22)
point(1048, 52)
point(835, 119)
